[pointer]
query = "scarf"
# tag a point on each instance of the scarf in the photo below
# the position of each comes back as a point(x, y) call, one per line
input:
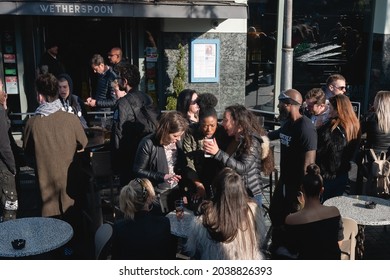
point(47, 108)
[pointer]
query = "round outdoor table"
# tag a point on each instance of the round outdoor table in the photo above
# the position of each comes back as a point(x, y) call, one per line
point(41, 234)
point(353, 206)
point(181, 227)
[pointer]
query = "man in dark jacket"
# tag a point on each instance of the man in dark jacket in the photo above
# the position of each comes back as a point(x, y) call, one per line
point(50, 62)
point(127, 129)
point(104, 96)
point(8, 196)
point(70, 102)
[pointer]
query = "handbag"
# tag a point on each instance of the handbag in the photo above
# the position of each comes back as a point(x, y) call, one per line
point(381, 170)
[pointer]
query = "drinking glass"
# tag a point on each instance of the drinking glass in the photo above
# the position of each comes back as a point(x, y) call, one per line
point(179, 209)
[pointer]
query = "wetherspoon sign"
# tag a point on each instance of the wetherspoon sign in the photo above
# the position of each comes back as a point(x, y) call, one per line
point(66, 9)
point(76, 9)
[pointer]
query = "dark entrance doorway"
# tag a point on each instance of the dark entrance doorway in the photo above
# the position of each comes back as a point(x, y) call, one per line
point(79, 39)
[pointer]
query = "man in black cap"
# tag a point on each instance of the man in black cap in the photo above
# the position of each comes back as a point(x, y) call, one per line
point(298, 145)
point(50, 62)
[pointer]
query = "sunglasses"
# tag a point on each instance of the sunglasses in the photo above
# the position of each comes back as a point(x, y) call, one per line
point(289, 101)
point(193, 102)
point(340, 88)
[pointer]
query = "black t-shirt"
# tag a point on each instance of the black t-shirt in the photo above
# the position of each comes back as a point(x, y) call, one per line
point(296, 138)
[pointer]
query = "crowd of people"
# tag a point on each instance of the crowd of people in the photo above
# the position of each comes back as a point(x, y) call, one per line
point(215, 167)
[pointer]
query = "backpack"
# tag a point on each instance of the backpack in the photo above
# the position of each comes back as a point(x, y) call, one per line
point(381, 170)
point(146, 118)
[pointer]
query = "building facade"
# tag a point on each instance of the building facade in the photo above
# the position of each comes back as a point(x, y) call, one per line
point(149, 33)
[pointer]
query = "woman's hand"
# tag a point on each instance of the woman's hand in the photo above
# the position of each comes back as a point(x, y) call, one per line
point(211, 147)
point(170, 178)
point(200, 192)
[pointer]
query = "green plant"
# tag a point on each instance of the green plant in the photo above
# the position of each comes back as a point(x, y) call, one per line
point(178, 81)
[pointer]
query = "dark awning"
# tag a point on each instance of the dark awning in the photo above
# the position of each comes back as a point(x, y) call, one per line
point(120, 8)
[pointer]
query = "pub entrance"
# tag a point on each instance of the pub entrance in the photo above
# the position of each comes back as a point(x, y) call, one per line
point(79, 38)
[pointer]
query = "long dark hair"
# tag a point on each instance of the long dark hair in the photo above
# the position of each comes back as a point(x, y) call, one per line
point(184, 101)
point(228, 212)
point(250, 126)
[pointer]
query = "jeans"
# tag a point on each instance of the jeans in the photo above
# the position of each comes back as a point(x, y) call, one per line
point(258, 198)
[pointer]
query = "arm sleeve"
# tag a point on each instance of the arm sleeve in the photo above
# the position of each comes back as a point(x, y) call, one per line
point(273, 135)
point(123, 113)
point(141, 163)
point(81, 137)
point(241, 164)
point(309, 137)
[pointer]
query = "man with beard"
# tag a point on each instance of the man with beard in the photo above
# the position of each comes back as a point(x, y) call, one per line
point(298, 145)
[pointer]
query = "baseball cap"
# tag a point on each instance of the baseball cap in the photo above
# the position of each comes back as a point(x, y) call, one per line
point(283, 97)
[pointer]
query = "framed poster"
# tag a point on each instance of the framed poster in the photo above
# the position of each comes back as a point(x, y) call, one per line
point(205, 61)
point(11, 84)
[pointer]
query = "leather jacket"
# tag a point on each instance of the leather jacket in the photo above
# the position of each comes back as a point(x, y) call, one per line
point(151, 162)
point(247, 165)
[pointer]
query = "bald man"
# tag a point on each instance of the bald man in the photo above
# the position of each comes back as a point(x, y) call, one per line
point(115, 56)
point(298, 145)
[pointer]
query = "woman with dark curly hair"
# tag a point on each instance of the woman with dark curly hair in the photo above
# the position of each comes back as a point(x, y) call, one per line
point(248, 152)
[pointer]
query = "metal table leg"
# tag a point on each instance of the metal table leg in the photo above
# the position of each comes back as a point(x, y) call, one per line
point(360, 242)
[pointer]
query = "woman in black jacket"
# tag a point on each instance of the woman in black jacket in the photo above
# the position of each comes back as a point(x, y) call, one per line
point(338, 141)
point(160, 157)
point(141, 235)
point(248, 152)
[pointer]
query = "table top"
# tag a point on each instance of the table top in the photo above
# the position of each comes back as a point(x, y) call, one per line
point(353, 206)
point(41, 234)
point(181, 227)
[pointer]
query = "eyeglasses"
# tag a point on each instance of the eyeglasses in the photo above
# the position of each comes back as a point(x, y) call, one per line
point(112, 54)
point(193, 102)
point(340, 88)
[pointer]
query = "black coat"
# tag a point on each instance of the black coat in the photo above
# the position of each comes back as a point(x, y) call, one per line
point(147, 237)
point(334, 152)
point(151, 162)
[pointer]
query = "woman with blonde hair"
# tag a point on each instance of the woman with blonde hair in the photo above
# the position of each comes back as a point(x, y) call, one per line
point(141, 235)
point(377, 124)
point(338, 141)
point(231, 226)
